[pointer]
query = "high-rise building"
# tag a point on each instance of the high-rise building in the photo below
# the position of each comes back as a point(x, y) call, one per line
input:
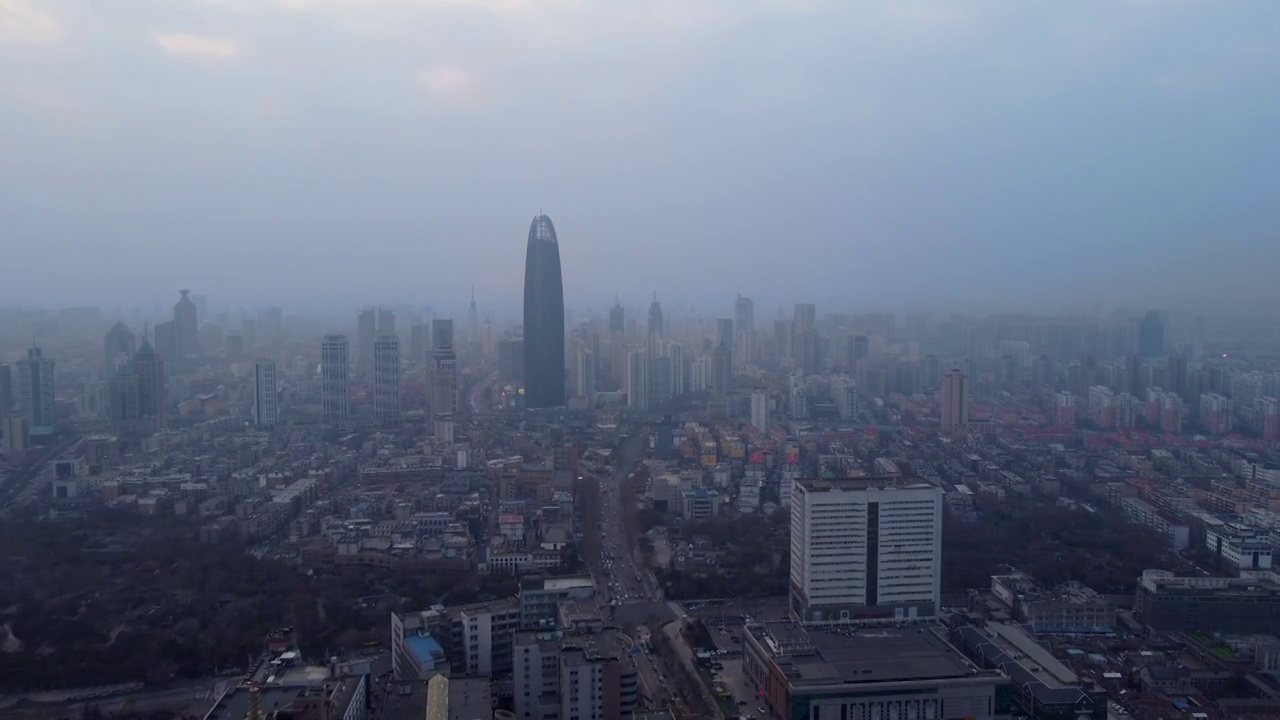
point(117, 346)
point(122, 400)
point(149, 369)
point(617, 319)
point(865, 548)
point(721, 371)
point(366, 335)
point(760, 409)
point(954, 407)
point(783, 336)
point(700, 374)
point(544, 366)
point(266, 396)
point(638, 380)
point(386, 381)
point(656, 324)
point(35, 389)
point(804, 345)
point(419, 341)
point(444, 380)
point(1216, 413)
point(585, 375)
point(386, 323)
point(15, 432)
point(1064, 409)
point(335, 379)
point(186, 328)
point(1268, 413)
point(511, 360)
point(675, 351)
point(441, 333)
point(1151, 335)
point(660, 381)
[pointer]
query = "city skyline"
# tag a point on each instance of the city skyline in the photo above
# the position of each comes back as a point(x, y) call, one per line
point(976, 157)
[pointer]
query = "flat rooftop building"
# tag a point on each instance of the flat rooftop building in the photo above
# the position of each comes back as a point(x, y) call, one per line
point(865, 549)
point(833, 673)
point(1249, 604)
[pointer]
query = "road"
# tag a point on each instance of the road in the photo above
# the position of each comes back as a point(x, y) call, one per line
point(629, 589)
point(628, 580)
point(34, 484)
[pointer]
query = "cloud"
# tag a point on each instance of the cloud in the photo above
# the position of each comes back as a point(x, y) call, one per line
point(451, 85)
point(22, 23)
point(196, 47)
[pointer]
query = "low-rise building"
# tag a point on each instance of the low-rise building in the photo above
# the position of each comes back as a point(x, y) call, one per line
point(1247, 604)
point(825, 673)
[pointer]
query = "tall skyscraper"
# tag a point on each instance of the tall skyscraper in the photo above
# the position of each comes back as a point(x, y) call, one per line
point(954, 406)
point(617, 319)
point(544, 366)
point(118, 345)
point(864, 548)
point(266, 396)
point(386, 381)
point(148, 368)
point(35, 389)
point(366, 335)
point(335, 379)
point(186, 328)
point(656, 324)
point(1151, 335)
point(444, 379)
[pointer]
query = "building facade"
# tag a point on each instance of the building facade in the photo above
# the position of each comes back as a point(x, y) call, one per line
point(266, 411)
point(953, 409)
point(36, 398)
point(335, 380)
point(544, 364)
point(865, 549)
point(386, 381)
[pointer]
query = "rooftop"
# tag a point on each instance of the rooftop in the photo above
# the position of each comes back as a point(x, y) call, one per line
point(871, 482)
point(824, 656)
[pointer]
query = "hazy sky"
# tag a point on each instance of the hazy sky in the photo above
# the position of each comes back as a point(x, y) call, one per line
point(877, 153)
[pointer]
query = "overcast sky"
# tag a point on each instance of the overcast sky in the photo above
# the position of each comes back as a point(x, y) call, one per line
point(879, 154)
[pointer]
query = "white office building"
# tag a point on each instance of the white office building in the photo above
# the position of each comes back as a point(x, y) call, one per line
point(266, 395)
point(759, 410)
point(865, 549)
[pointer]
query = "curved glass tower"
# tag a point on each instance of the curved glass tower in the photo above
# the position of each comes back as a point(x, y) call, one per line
point(543, 318)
